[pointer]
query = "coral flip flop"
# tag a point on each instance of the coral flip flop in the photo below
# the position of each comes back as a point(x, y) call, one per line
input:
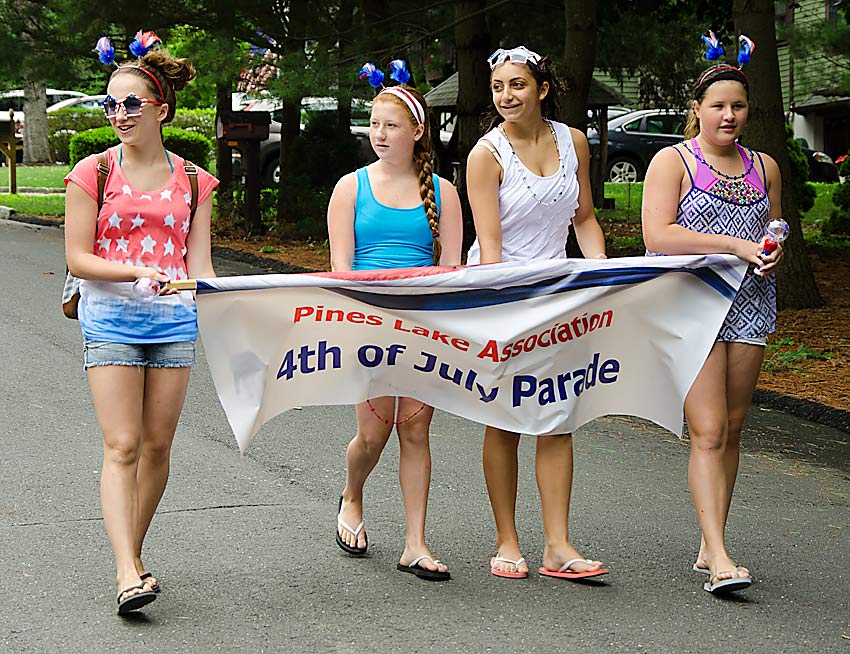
point(508, 574)
point(345, 547)
point(564, 571)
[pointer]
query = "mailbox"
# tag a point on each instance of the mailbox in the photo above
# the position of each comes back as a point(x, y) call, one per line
point(6, 127)
point(243, 125)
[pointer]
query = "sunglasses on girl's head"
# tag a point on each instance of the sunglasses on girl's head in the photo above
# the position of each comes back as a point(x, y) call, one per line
point(131, 103)
point(520, 55)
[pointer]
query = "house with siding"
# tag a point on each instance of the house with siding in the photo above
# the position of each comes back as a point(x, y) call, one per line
point(813, 108)
point(816, 111)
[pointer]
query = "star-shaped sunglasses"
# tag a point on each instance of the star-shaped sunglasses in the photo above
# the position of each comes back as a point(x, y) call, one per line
point(131, 103)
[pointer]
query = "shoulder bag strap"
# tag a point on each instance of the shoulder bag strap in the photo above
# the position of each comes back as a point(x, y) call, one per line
point(192, 174)
point(102, 173)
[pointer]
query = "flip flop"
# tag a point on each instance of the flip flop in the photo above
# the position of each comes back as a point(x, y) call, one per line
point(508, 574)
point(727, 585)
point(134, 602)
point(345, 547)
point(564, 571)
point(704, 571)
point(155, 588)
point(422, 573)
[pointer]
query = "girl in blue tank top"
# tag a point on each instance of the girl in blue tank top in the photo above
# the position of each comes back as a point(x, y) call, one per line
point(710, 195)
point(394, 213)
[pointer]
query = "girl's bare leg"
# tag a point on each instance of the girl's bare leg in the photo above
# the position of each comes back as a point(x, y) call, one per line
point(414, 475)
point(554, 465)
point(361, 457)
point(165, 391)
point(117, 392)
point(500, 474)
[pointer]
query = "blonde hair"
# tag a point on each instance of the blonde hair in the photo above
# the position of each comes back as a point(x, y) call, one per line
point(692, 125)
point(424, 167)
point(173, 75)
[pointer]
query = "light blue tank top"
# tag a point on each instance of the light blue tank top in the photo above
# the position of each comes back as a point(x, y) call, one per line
point(385, 237)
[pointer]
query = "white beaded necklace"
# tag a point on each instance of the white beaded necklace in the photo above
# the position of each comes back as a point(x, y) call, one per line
point(561, 167)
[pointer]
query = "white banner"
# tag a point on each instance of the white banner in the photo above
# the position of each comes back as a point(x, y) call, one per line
point(535, 348)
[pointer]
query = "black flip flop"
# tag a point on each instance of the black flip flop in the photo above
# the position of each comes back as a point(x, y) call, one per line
point(422, 573)
point(155, 588)
point(345, 547)
point(134, 602)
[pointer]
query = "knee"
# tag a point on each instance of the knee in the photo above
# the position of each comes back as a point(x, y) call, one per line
point(708, 437)
point(413, 434)
point(372, 441)
point(157, 450)
point(121, 451)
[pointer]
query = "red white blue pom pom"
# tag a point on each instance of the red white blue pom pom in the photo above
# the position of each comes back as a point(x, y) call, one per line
point(143, 42)
point(374, 76)
point(398, 71)
point(105, 51)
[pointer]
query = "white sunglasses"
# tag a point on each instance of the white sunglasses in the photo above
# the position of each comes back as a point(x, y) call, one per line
point(519, 55)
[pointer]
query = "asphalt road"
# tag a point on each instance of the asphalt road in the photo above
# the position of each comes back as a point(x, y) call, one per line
point(244, 546)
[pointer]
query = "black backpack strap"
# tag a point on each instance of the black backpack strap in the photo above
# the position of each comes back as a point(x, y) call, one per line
point(192, 173)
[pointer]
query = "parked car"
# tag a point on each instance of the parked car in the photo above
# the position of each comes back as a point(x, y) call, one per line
point(635, 137)
point(270, 147)
point(14, 100)
point(89, 102)
point(821, 166)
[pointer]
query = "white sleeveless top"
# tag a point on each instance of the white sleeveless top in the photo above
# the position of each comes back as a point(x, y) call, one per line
point(530, 228)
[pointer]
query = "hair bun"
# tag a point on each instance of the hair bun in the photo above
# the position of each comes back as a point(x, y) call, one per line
point(177, 72)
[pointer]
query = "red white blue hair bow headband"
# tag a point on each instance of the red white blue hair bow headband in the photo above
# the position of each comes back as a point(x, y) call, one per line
point(139, 47)
point(399, 73)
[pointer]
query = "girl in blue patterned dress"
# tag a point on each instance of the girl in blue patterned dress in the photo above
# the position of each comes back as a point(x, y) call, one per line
point(710, 195)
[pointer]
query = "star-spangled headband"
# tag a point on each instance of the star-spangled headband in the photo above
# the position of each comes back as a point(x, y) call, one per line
point(139, 47)
point(398, 72)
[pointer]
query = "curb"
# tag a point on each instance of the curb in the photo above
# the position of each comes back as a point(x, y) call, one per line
point(798, 407)
point(802, 408)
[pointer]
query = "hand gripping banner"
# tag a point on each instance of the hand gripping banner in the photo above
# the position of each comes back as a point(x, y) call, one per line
point(535, 348)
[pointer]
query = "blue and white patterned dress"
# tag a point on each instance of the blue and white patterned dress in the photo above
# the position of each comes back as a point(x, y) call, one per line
point(738, 208)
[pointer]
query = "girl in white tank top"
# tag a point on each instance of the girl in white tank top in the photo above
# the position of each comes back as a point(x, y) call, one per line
point(528, 181)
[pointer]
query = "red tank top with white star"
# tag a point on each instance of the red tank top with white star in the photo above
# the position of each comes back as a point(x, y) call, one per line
point(142, 228)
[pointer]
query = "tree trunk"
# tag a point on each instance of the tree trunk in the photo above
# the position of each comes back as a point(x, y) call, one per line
point(36, 145)
point(471, 45)
point(223, 153)
point(765, 131)
point(344, 23)
point(579, 60)
point(290, 122)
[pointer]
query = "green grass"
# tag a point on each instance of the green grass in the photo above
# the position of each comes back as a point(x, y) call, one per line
point(823, 204)
point(35, 205)
point(780, 356)
point(37, 176)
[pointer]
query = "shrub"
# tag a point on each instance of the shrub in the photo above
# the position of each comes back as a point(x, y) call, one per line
point(189, 145)
point(200, 121)
point(65, 123)
point(803, 190)
point(838, 223)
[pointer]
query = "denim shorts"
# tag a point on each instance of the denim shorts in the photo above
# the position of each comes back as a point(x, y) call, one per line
point(146, 355)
